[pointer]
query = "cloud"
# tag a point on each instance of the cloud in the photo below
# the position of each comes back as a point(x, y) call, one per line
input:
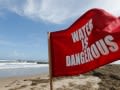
point(57, 11)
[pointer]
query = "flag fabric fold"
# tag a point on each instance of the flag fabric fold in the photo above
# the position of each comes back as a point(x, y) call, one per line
point(92, 41)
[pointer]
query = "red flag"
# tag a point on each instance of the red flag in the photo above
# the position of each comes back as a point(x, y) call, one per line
point(92, 41)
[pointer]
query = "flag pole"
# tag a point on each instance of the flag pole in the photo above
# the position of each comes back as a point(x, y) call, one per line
point(50, 64)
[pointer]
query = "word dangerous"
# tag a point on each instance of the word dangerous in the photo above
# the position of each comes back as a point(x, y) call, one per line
point(101, 47)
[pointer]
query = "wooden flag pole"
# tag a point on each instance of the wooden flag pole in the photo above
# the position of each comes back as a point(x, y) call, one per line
point(50, 64)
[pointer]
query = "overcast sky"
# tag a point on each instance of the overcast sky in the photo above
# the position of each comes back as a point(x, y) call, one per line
point(24, 23)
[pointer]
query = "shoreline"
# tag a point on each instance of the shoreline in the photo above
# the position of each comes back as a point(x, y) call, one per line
point(23, 77)
point(22, 72)
point(104, 78)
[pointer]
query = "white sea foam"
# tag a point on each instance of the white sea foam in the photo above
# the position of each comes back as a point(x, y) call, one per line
point(4, 64)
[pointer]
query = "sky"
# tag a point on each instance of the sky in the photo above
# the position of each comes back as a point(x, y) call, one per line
point(24, 23)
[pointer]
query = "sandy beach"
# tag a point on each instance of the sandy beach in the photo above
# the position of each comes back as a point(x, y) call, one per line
point(104, 78)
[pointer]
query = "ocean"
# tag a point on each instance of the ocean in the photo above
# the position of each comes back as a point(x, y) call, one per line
point(10, 68)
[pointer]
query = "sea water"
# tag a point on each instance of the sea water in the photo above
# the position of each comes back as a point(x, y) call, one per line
point(10, 68)
point(16, 68)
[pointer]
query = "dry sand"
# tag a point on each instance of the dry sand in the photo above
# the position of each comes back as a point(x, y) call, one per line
point(104, 78)
point(109, 75)
point(42, 83)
